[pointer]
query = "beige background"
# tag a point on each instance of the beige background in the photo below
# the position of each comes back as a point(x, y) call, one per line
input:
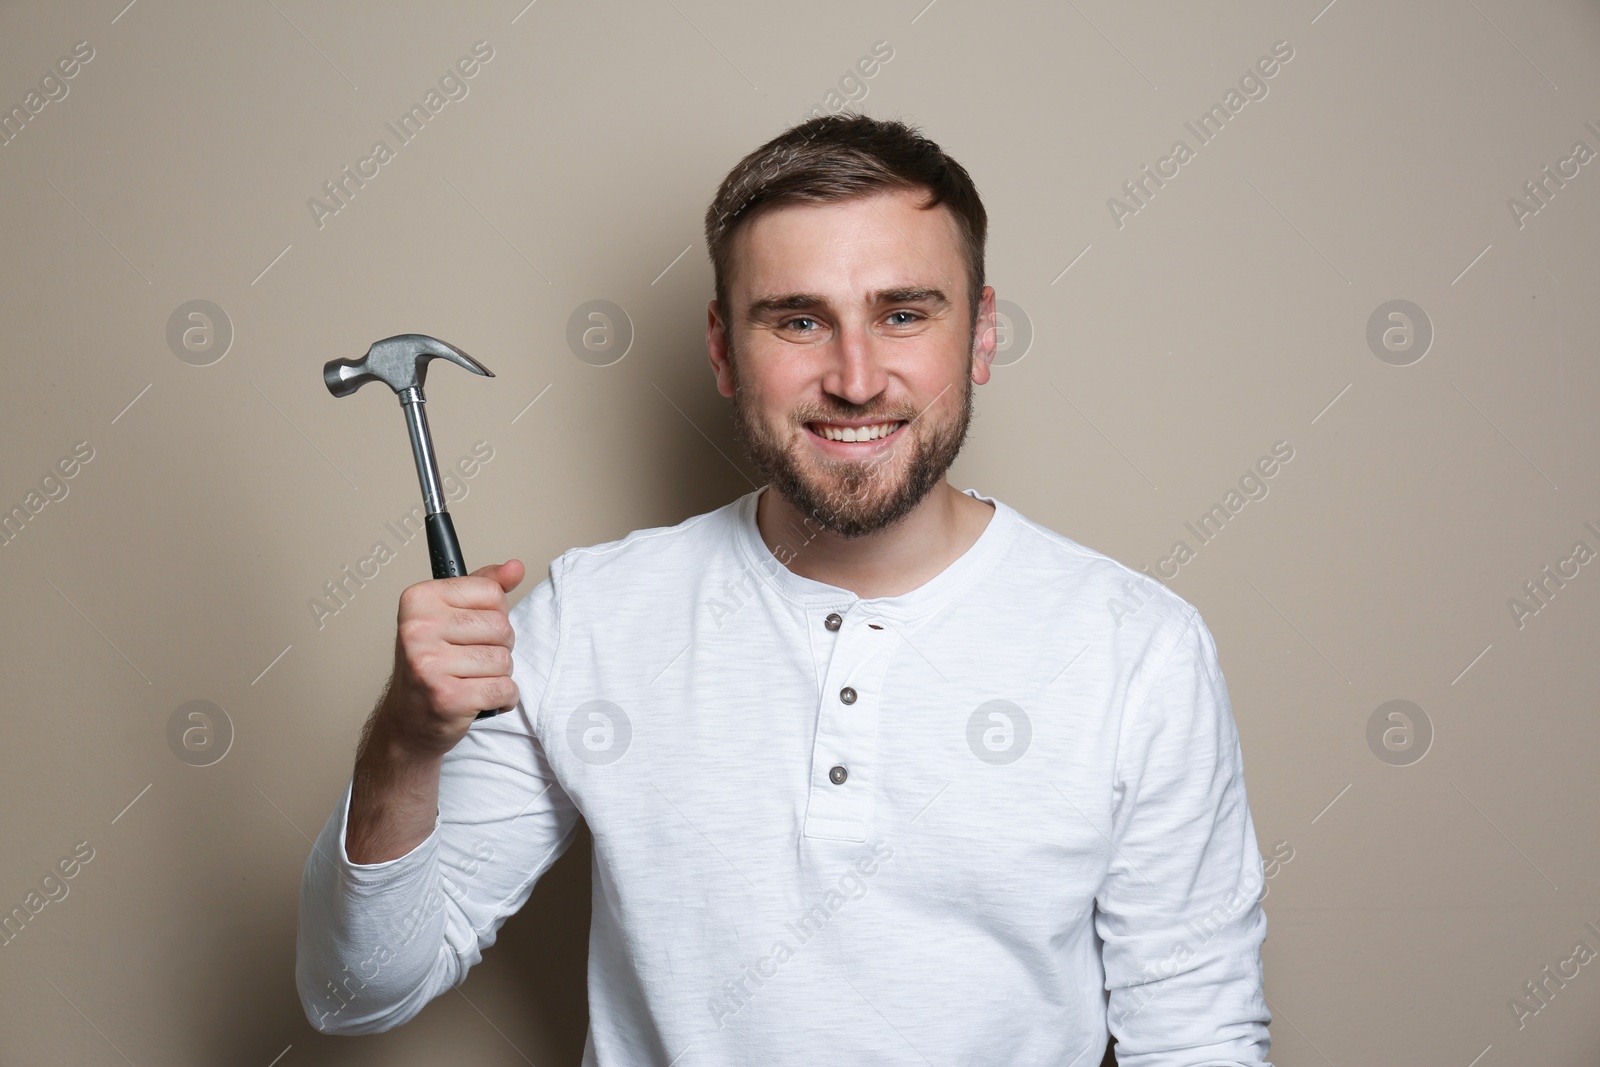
point(1229, 313)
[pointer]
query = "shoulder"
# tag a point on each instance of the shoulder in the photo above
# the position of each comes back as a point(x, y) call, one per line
point(651, 572)
point(648, 557)
point(1075, 574)
point(1129, 623)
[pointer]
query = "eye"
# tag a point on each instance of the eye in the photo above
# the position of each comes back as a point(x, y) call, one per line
point(913, 315)
point(802, 318)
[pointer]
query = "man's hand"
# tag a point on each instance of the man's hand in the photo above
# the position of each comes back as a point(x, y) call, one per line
point(452, 659)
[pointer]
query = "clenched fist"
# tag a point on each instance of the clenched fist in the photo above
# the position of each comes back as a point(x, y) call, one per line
point(452, 657)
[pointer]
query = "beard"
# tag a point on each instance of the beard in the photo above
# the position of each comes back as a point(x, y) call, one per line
point(851, 498)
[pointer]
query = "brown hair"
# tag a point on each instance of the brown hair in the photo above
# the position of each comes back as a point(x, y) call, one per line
point(839, 157)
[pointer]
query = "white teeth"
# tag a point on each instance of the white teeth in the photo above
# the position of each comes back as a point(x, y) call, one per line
point(865, 433)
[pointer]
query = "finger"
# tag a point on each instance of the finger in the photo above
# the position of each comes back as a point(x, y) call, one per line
point(475, 626)
point(489, 693)
point(471, 591)
point(477, 661)
point(510, 574)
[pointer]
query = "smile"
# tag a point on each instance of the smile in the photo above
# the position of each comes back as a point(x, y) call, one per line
point(854, 434)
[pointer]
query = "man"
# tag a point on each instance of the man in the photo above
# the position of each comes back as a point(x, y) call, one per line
point(877, 771)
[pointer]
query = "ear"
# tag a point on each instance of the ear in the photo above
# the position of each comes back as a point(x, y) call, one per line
point(985, 338)
point(717, 346)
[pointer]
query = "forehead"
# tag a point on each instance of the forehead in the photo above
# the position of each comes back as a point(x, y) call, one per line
point(849, 247)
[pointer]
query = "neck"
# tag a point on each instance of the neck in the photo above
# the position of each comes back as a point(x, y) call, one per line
point(892, 561)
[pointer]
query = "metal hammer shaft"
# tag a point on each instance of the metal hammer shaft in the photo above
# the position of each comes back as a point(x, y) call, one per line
point(411, 402)
point(444, 548)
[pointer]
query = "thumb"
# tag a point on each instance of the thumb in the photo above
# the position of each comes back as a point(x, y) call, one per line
point(509, 574)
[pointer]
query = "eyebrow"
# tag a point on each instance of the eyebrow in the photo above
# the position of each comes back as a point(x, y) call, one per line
point(916, 294)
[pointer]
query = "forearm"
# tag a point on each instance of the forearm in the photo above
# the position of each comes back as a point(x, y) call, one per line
point(394, 796)
point(371, 942)
point(370, 946)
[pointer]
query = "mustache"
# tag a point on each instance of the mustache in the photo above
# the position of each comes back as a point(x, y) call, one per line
point(853, 416)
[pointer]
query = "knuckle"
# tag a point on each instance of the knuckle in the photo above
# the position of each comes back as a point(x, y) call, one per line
point(450, 696)
point(413, 631)
point(423, 669)
point(497, 659)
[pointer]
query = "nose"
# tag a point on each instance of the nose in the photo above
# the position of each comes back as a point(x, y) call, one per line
point(854, 366)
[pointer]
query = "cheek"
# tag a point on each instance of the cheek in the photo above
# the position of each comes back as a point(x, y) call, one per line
point(761, 410)
point(933, 383)
point(778, 395)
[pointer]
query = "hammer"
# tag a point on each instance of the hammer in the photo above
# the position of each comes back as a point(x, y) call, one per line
point(401, 363)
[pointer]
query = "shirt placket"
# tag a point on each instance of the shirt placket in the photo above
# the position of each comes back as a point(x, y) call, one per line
point(844, 754)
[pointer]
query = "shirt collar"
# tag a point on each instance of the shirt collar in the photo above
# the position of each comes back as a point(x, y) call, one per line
point(920, 602)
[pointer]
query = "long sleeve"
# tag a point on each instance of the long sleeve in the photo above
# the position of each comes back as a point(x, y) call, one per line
point(1179, 912)
point(376, 942)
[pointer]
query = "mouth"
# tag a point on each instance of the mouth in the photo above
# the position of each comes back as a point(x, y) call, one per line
point(855, 437)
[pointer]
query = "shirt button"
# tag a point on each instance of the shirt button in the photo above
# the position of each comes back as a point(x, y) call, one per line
point(833, 621)
point(838, 775)
point(847, 695)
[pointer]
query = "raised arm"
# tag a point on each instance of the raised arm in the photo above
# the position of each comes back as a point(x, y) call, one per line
point(442, 831)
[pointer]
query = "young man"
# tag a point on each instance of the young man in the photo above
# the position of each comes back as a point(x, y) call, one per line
point(877, 771)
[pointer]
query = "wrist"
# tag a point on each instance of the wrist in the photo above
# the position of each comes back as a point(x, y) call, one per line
point(403, 755)
point(389, 743)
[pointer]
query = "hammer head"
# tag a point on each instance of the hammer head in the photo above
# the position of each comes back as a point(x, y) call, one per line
point(400, 362)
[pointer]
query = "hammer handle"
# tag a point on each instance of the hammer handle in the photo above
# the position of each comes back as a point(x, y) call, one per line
point(445, 552)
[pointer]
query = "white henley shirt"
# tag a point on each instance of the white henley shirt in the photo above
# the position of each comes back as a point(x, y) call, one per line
point(985, 821)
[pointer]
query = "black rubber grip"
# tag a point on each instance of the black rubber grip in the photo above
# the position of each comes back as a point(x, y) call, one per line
point(444, 552)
